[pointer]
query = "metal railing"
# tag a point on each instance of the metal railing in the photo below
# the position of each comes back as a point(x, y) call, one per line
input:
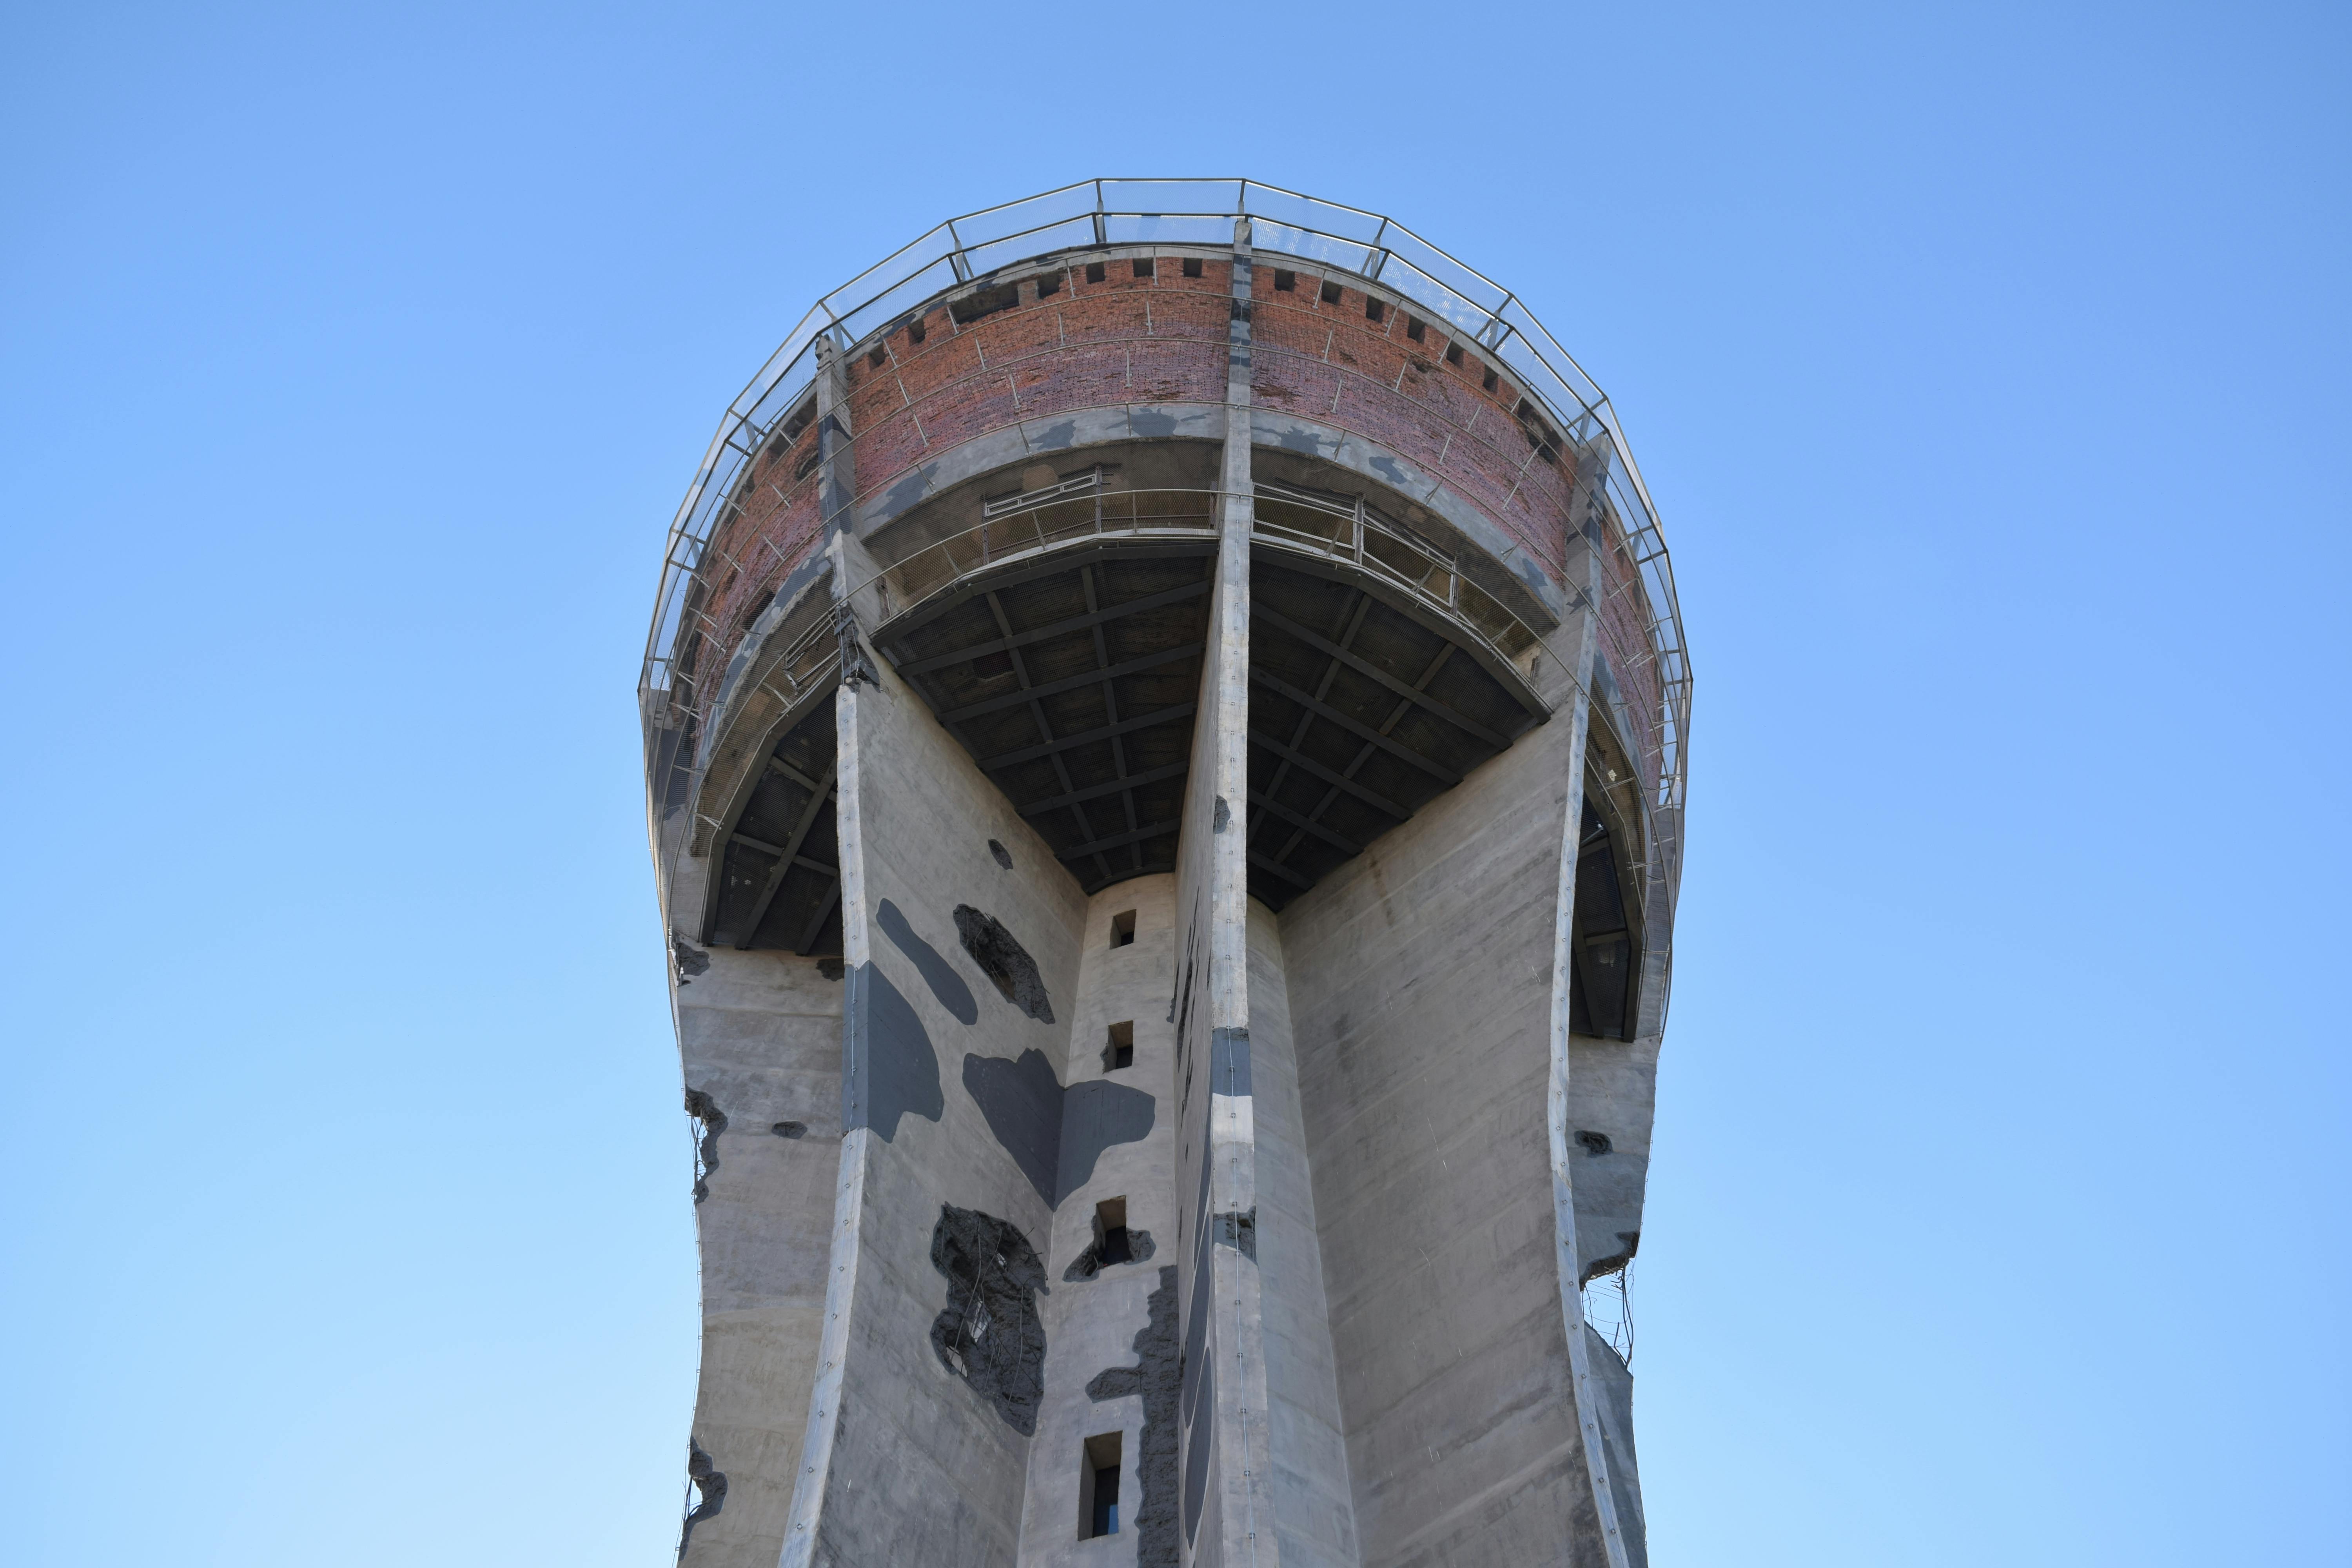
point(1106, 213)
point(1343, 528)
point(1016, 528)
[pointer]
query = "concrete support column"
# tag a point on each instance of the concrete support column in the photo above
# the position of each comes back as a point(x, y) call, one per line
point(836, 460)
point(1228, 1511)
point(1583, 1391)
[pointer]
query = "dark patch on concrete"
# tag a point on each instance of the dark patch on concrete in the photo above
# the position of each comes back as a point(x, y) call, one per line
point(1615, 1260)
point(1299, 439)
point(790, 1130)
point(1021, 1100)
point(906, 491)
point(709, 1122)
point(712, 1486)
point(1095, 1115)
point(1594, 1143)
point(1156, 1376)
point(989, 1335)
point(1237, 1230)
point(1005, 960)
point(1389, 469)
point(1089, 1263)
point(1200, 1439)
point(1224, 815)
point(937, 974)
point(1150, 423)
point(1003, 857)
point(692, 960)
point(1196, 1318)
point(1053, 1135)
point(829, 967)
point(1229, 1061)
point(1055, 437)
point(891, 1069)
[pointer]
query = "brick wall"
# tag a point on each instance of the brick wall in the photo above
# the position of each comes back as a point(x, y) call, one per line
point(1067, 341)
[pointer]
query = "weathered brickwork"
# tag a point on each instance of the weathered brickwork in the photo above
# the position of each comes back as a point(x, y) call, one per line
point(1326, 360)
point(1064, 342)
point(1625, 643)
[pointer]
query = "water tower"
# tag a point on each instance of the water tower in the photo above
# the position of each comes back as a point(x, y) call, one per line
point(1165, 728)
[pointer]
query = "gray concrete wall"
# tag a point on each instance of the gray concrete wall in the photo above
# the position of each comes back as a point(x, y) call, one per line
point(923, 1467)
point(759, 1034)
point(1313, 1509)
point(1092, 1325)
point(1419, 979)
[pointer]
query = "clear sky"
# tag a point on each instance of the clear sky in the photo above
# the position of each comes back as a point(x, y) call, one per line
point(1989, 366)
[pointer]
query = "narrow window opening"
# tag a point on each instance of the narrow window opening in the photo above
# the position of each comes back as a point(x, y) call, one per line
point(1415, 328)
point(1488, 381)
point(1111, 1232)
point(1049, 284)
point(1099, 1467)
point(1453, 353)
point(876, 360)
point(1118, 1051)
point(1331, 294)
point(985, 302)
point(1122, 929)
point(1374, 311)
point(1284, 280)
point(915, 330)
point(1143, 267)
point(1192, 267)
point(1094, 272)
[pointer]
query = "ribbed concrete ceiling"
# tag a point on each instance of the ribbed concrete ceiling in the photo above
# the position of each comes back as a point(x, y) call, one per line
point(1073, 686)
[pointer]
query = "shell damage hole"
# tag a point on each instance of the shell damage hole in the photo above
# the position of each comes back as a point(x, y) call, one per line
point(1005, 960)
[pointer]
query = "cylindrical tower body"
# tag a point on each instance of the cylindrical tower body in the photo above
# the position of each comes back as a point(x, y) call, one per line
point(1165, 729)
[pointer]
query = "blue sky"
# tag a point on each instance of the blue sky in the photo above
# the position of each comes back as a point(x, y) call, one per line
point(1988, 367)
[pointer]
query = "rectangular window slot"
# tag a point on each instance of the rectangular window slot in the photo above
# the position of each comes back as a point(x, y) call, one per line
point(1049, 284)
point(1489, 381)
point(915, 330)
point(1143, 267)
point(1099, 1467)
point(1415, 328)
point(1331, 295)
point(1111, 1232)
point(1285, 281)
point(1122, 929)
point(1374, 311)
point(985, 303)
point(1453, 353)
point(1192, 267)
point(876, 360)
point(1118, 1051)
point(1094, 272)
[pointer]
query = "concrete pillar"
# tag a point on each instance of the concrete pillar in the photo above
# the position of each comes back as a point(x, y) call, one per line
point(1228, 1513)
point(1313, 1509)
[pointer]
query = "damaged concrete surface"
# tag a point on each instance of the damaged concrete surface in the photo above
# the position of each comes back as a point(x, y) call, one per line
point(1155, 1379)
point(988, 1333)
point(1005, 960)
